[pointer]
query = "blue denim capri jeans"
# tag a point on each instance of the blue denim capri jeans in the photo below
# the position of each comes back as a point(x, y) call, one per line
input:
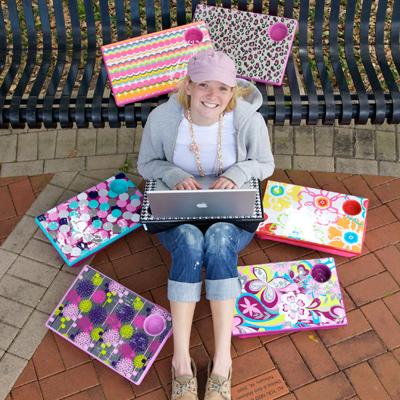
point(217, 250)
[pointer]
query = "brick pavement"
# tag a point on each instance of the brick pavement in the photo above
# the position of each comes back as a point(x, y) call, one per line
point(360, 361)
point(357, 361)
point(16, 196)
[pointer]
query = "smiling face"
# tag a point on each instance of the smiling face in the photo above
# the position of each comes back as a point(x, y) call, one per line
point(208, 100)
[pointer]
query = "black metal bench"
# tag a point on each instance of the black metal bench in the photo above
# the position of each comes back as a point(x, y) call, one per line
point(344, 66)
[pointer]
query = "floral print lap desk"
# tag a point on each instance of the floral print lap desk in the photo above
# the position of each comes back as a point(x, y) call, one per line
point(86, 223)
point(314, 218)
point(259, 44)
point(153, 64)
point(287, 297)
point(112, 324)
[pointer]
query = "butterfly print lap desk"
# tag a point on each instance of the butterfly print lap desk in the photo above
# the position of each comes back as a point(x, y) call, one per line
point(153, 64)
point(112, 324)
point(314, 218)
point(287, 297)
point(259, 44)
point(86, 223)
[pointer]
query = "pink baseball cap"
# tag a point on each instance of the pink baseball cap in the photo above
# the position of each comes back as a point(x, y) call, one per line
point(212, 65)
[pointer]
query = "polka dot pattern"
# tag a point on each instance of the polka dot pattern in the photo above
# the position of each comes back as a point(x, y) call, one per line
point(93, 218)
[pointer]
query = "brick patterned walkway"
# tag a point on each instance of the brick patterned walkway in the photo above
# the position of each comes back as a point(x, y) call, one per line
point(360, 361)
point(16, 196)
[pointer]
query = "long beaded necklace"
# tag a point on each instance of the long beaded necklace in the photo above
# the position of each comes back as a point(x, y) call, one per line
point(195, 148)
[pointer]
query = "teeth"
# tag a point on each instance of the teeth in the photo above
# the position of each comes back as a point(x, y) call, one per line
point(210, 105)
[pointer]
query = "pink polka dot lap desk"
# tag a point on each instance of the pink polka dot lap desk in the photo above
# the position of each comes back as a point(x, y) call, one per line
point(288, 297)
point(314, 218)
point(259, 44)
point(112, 324)
point(153, 64)
point(88, 222)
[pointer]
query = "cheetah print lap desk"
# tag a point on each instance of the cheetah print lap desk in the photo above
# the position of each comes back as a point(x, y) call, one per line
point(259, 44)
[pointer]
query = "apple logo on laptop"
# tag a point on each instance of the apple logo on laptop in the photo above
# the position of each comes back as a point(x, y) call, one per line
point(202, 205)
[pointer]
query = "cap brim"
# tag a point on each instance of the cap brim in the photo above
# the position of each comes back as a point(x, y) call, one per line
point(218, 76)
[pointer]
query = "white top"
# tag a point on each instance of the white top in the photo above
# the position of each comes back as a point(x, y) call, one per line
point(207, 138)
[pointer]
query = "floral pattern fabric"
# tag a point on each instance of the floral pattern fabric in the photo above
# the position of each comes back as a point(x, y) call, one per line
point(111, 323)
point(313, 216)
point(290, 297)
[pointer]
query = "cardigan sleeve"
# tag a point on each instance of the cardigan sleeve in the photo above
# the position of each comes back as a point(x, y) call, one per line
point(152, 161)
point(255, 159)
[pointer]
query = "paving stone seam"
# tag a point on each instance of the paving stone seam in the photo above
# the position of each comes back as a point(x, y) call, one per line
point(77, 172)
point(383, 386)
point(33, 309)
point(346, 372)
point(376, 166)
point(34, 304)
point(302, 359)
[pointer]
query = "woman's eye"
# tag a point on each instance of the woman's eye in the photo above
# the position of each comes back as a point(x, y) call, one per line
point(224, 88)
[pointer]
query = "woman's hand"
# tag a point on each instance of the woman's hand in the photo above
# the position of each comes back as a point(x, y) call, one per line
point(187, 184)
point(223, 183)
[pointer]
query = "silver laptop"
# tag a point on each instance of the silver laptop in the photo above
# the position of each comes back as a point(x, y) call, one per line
point(176, 204)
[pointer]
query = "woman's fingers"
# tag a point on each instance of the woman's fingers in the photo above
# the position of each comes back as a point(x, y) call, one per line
point(188, 184)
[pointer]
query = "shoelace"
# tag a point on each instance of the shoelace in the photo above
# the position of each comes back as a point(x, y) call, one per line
point(217, 387)
point(184, 387)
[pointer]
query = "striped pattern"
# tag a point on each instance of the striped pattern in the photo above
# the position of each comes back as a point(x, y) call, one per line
point(153, 64)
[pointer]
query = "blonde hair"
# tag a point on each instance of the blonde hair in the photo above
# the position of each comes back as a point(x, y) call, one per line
point(184, 99)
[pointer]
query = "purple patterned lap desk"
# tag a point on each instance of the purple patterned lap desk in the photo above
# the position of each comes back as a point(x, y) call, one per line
point(112, 324)
point(259, 44)
point(86, 223)
point(287, 297)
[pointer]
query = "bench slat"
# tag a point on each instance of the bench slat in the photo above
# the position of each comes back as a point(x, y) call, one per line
point(3, 42)
point(345, 113)
point(242, 5)
point(395, 34)
point(319, 84)
point(49, 117)
point(380, 111)
point(64, 116)
point(294, 114)
point(362, 107)
point(130, 119)
point(3, 58)
point(380, 53)
point(150, 16)
point(32, 104)
point(264, 109)
point(16, 57)
point(279, 110)
point(312, 114)
point(329, 112)
point(97, 111)
point(80, 116)
point(15, 119)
